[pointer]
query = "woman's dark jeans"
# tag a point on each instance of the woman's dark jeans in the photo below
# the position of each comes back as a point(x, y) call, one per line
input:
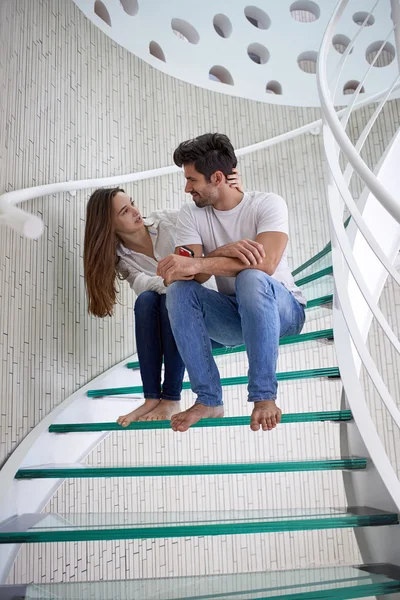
point(155, 341)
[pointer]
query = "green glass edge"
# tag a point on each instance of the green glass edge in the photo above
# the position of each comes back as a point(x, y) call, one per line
point(345, 593)
point(290, 339)
point(313, 259)
point(319, 255)
point(328, 299)
point(210, 469)
point(284, 376)
point(314, 276)
point(46, 588)
point(308, 417)
point(82, 535)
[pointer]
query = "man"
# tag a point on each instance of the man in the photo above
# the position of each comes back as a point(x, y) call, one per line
point(241, 239)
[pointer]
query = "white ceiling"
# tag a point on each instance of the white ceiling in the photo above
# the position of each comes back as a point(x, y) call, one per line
point(276, 35)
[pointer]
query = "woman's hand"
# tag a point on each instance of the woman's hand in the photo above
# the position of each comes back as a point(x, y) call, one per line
point(235, 181)
point(174, 268)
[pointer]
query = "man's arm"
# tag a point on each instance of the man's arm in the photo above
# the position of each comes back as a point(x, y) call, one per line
point(273, 245)
point(198, 253)
point(175, 267)
point(247, 251)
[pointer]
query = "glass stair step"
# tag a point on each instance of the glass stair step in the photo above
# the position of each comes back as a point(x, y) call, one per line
point(316, 285)
point(307, 417)
point(228, 381)
point(321, 259)
point(326, 334)
point(321, 301)
point(87, 470)
point(330, 583)
point(76, 527)
point(314, 276)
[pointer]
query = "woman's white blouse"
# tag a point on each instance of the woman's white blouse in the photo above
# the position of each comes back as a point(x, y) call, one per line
point(139, 269)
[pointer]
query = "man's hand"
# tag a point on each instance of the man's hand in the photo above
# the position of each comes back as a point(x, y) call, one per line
point(247, 251)
point(177, 268)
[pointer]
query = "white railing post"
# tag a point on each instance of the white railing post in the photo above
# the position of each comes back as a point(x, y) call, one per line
point(395, 4)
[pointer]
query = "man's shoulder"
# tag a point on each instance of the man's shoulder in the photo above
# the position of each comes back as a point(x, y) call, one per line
point(259, 197)
point(191, 210)
point(266, 204)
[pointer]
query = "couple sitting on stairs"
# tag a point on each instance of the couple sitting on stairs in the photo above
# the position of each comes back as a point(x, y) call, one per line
point(238, 237)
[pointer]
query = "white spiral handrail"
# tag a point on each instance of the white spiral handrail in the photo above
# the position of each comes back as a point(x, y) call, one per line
point(32, 226)
point(332, 119)
point(349, 338)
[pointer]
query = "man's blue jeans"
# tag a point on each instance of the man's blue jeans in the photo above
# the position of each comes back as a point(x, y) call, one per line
point(261, 312)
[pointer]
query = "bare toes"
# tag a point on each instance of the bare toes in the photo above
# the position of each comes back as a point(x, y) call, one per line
point(254, 425)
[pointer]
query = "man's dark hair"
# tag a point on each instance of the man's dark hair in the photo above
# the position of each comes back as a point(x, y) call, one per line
point(208, 153)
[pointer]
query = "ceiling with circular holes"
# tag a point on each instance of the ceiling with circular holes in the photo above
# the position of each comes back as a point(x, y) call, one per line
point(265, 50)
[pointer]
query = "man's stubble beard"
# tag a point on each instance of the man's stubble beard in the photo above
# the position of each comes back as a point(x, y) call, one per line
point(202, 202)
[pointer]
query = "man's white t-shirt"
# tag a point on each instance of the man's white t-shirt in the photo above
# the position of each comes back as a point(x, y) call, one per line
point(257, 212)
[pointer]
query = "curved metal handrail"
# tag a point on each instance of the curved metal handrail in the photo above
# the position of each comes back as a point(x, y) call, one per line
point(32, 227)
point(349, 107)
point(362, 226)
point(356, 273)
point(350, 46)
point(342, 139)
point(349, 338)
point(349, 170)
point(345, 250)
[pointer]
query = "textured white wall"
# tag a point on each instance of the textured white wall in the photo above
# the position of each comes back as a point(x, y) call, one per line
point(77, 105)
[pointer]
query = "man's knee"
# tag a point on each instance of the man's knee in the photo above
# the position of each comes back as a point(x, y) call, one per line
point(249, 281)
point(178, 292)
point(146, 301)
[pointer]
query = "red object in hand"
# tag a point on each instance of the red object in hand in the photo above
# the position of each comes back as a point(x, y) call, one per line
point(185, 251)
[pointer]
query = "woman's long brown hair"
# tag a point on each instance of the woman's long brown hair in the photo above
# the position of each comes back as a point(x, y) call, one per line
point(99, 255)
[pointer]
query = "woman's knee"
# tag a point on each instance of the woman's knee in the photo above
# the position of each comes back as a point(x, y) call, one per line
point(146, 301)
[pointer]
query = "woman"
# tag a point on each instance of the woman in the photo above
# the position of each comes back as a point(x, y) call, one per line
point(120, 244)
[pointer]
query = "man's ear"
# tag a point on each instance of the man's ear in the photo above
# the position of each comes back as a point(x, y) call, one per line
point(217, 178)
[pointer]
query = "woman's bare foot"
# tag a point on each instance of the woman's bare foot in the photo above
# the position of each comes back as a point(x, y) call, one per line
point(163, 411)
point(265, 413)
point(135, 415)
point(183, 420)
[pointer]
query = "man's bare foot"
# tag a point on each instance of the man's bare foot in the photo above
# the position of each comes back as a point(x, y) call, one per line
point(163, 411)
point(183, 420)
point(135, 415)
point(265, 413)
